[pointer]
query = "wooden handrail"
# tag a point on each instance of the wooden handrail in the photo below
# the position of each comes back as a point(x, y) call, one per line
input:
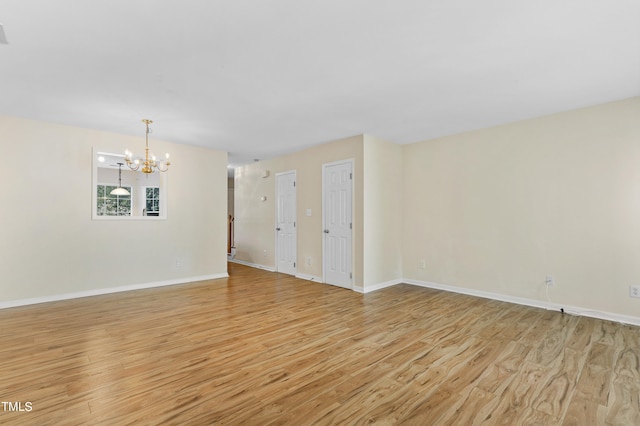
point(230, 234)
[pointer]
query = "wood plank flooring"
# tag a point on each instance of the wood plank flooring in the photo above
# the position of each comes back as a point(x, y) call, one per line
point(261, 348)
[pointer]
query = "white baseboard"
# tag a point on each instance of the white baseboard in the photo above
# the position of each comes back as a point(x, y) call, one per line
point(100, 291)
point(379, 286)
point(253, 265)
point(574, 310)
point(309, 278)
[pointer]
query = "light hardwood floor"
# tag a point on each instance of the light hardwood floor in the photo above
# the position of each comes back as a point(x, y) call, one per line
point(264, 348)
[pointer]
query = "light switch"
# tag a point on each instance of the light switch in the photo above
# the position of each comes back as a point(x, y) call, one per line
point(308, 212)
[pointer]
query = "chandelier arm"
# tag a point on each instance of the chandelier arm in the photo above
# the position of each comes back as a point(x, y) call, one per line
point(129, 164)
point(160, 168)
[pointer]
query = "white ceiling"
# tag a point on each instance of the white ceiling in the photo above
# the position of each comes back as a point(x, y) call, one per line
point(262, 78)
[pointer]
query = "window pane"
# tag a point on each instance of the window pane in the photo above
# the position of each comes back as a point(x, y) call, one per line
point(100, 210)
point(109, 188)
point(152, 202)
point(110, 206)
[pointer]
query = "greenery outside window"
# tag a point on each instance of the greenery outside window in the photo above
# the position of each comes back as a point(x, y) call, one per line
point(112, 205)
point(152, 204)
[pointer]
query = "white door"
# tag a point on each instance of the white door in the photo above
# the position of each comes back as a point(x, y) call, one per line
point(337, 222)
point(286, 222)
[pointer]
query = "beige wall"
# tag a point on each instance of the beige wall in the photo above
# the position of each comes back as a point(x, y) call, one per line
point(255, 219)
point(377, 218)
point(383, 211)
point(497, 210)
point(49, 245)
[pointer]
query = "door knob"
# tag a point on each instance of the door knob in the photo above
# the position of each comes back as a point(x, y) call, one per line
point(277, 229)
point(326, 231)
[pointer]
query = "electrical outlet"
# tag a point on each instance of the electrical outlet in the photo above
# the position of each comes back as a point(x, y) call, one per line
point(634, 291)
point(550, 282)
point(422, 264)
point(308, 261)
point(179, 263)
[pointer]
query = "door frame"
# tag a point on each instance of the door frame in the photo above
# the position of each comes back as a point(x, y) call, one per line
point(350, 161)
point(295, 219)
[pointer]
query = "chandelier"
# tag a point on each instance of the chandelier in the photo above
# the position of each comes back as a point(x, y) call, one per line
point(148, 164)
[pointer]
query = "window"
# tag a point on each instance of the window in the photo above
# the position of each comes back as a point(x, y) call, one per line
point(148, 191)
point(152, 204)
point(112, 205)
